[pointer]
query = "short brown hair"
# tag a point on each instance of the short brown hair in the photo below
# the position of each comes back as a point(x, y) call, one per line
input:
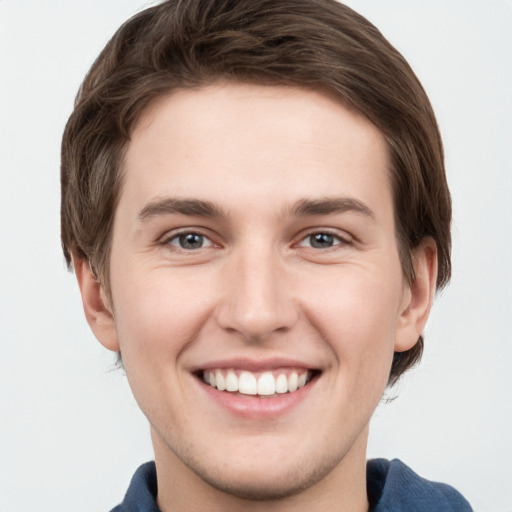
point(314, 43)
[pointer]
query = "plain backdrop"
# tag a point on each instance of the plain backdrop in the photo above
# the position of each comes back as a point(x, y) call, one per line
point(71, 433)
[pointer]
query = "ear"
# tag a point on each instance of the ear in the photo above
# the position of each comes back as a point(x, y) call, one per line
point(98, 312)
point(418, 296)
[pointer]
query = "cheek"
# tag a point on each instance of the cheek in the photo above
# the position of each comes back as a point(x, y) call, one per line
point(156, 321)
point(358, 316)
point(156, 314)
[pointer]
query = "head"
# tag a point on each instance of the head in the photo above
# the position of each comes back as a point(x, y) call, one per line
point(235, 116)
point(318, 44)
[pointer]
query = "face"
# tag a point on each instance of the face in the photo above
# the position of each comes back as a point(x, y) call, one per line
point(257, 292)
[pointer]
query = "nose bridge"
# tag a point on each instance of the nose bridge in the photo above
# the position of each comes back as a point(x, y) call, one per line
point(258, 301)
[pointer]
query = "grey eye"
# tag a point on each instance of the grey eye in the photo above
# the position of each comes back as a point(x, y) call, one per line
point(321, 240)
point(190, 241)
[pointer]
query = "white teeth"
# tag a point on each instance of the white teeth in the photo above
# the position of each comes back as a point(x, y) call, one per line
point(293, 381)
point(266, 384)
point(231, 382)
point(220, 380)
point(247, 383)
point(281, 384)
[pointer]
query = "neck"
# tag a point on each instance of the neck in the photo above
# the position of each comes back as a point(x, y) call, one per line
point(341, 490)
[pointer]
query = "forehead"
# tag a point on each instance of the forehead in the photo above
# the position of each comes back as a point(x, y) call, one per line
point(233, 142)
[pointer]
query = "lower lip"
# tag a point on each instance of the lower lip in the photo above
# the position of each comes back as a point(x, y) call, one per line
point(256, 407)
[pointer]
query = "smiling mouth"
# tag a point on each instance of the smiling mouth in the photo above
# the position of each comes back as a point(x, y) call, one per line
point(262, 384)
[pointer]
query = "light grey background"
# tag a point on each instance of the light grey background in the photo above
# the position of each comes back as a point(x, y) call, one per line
point(71, 433)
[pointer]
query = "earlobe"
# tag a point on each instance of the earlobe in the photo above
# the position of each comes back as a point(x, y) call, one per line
point(98, 312)
point(418, 296)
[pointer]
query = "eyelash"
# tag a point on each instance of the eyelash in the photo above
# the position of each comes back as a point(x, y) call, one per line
point(335, 237)
point(180, 237)
point(177, 239)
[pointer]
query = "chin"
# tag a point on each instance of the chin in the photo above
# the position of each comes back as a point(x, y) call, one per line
point(267, 483)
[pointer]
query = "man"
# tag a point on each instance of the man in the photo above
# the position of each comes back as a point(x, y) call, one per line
point(255, 206)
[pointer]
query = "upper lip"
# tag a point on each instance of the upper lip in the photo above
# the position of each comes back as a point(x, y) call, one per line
point(253, 364)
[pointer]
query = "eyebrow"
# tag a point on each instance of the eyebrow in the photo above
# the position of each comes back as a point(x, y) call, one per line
point(330, 205)
point(171, 205)
point(301, 208)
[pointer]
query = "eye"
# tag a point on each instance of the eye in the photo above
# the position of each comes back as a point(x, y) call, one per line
point(321, 240)
point(190, 241)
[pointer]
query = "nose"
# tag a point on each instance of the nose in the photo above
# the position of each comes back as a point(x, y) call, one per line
point(258, 298)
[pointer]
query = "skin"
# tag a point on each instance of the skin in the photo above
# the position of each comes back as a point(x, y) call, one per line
point(257, 290)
